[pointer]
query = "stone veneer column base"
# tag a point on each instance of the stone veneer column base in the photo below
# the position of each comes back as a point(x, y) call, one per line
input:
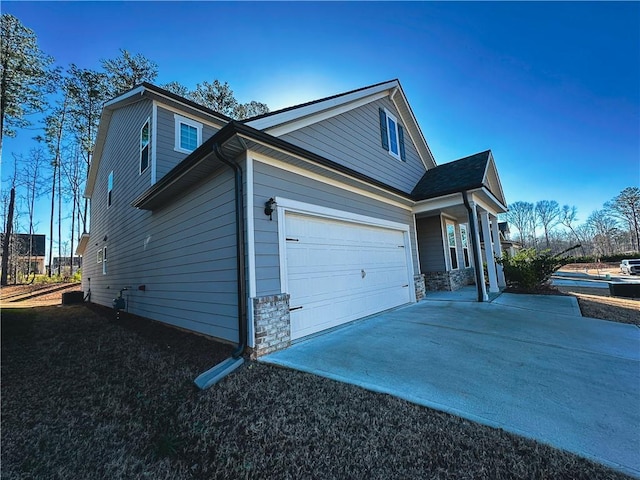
point(449, 281)
point(272, 324)
point(418, 281)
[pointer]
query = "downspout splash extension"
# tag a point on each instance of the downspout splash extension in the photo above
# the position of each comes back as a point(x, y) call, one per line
point(224, 368)
point(476, 260)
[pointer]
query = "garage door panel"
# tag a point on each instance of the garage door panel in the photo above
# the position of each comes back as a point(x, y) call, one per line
point(340, 271)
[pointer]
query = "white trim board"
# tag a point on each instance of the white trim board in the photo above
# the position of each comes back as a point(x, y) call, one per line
point(294, 125)
point(296, 113)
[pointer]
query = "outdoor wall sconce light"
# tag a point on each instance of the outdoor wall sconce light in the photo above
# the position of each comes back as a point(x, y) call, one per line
point(104, 239)
point(268, 208)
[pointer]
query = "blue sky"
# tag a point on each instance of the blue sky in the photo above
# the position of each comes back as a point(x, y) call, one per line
point(552, 88)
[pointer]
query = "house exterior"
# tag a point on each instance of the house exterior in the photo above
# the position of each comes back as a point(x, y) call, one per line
point(268, 230)
point(65, 263)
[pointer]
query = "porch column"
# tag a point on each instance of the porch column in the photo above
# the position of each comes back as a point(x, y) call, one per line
point(488, 250)
point(497, 250)
point(477, 252)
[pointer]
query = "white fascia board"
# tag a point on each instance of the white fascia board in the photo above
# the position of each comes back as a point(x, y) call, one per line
point(500, 192)
point(297, 113)
point(490, 203)
point(438, 203)
point(103, 127)
point(318, 117)
point(131, 93)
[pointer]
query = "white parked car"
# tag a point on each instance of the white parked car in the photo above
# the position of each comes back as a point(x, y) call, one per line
point(632, 267)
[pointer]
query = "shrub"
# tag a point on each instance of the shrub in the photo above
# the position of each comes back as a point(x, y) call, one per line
point(529, 268)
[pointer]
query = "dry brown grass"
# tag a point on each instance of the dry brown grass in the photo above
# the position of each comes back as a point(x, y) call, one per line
point(598, 303)
point(84, 396)
point(37, 295)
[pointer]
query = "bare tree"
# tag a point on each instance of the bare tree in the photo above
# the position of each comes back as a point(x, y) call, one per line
point(568, 217)
point(521, 216)
point(605, 228)
point(626, 207)
point(74, 176)
point(32, 177)
point(547, 213)
point(87, 91)
point(55, 124)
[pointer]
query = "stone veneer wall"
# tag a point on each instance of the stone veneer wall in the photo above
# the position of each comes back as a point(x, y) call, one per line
point(272, 324)
point(450, 281)
point(418, 281)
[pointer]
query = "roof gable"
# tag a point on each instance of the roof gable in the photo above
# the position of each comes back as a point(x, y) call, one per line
point(141, 92)
point(294, 118)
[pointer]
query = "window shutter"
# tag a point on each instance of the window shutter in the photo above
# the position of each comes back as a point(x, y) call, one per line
point(403, 155)
point(383, 130)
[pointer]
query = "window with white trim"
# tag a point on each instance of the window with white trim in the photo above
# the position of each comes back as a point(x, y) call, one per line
point(392, 135)
point(464, 243)
point(104, 261)
point(144, 146)
point(188, 134)
point(453, 249)
point(109, 189)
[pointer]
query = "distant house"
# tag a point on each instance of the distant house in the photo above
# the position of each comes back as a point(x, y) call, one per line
point(270, 229)
point(65, 262)
point(19, 253)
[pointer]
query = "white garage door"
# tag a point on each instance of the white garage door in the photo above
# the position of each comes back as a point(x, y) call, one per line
point(341, 271)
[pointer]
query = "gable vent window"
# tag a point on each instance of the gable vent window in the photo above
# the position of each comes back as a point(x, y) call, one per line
point(188, 134)
point(392, 135)
point(109, 189)
point(144, 147)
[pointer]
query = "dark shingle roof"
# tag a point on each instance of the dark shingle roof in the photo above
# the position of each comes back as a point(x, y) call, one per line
point(463, 174)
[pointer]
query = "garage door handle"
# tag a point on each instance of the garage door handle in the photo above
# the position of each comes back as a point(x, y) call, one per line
point(294, 308)
point(405, 286)
point(292, 240)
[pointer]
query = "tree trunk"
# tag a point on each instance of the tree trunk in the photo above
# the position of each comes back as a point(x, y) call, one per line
point(53, 207)
point(60, 220)
point(7, 238)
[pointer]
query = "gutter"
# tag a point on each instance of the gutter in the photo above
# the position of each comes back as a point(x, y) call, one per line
point(476, 247)
point(224, 368)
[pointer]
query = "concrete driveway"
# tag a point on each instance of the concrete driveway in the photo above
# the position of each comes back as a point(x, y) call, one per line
point(516, 363)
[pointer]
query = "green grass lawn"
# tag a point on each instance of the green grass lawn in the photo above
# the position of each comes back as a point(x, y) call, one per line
point(85, 397)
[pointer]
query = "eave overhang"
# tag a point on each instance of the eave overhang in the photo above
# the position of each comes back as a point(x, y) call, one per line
point(82, 244)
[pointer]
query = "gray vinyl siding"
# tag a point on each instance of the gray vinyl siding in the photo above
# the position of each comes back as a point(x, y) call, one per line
point(184, 254)
point(353, 139)
point(168, 157)
point(271, 182)
point(432, 255)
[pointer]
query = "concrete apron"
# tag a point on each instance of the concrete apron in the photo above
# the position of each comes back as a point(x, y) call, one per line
point(516, 364)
